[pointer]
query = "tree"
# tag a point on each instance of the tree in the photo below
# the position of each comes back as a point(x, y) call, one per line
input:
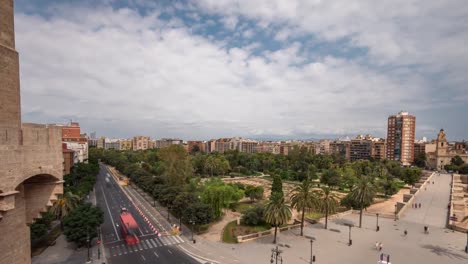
point(362, 195)
point(177, 165)
point(411, 175)
point(220, 195)
point(277, 212)
point(303, 198)
point(198, 213)
point(331, 178)
point(82, 223)
point(328, 202)
point(181, 202)
point(420, 160)
point(276, 186)
point(457, 161)
point(64, 205)
point(463, 169)
point(253, 216)
point(195, 149)
point(254, 192)
point(210, 164)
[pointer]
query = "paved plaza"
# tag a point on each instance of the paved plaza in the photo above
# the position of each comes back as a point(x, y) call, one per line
point(434, 199)
point(440, 245)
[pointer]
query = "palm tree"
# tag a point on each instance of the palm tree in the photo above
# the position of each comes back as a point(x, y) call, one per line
point(302, 198)
point(277, 212)
point(210, 164)
point(328, 202)
point(362, 195)
point(66, 203)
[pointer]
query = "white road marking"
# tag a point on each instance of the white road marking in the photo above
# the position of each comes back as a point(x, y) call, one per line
point(169, 251)
point(113, 223)
point(143, 257)
point(156, 254)
point(154, 243)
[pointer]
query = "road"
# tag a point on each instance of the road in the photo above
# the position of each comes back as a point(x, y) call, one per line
point(434, 199)
point(152, 248)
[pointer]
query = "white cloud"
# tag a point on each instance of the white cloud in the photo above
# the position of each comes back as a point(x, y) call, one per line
point(124, 74)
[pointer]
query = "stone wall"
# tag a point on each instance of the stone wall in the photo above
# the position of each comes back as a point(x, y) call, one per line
point(31, 161)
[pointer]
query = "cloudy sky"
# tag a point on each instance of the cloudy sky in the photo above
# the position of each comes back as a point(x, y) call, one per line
point(259, 69)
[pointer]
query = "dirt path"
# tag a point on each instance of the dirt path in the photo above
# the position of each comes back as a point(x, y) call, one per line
point(216, 230)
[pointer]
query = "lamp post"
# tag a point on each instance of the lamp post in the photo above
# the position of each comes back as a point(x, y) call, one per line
point(377, 225)
point(192, 223)
point(276, 255)
point(350, 240)
point(466, 247)
point(312, 257)
point(88, 260)
point(396, 206)
point(168, 208)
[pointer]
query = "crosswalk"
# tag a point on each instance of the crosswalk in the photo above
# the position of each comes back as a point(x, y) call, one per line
point(145, 244)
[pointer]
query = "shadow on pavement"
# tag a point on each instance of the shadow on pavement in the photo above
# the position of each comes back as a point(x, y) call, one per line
point(444, 252)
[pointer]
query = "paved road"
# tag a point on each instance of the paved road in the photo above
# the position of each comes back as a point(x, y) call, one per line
point(151, 249)
point(434, 199)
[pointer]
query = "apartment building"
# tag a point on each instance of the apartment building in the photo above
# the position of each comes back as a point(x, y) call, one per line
point(400, 138)
point(71, 136)
point(140, 143)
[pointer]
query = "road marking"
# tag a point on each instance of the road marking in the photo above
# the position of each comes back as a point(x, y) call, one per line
point(156, 254)
point(149, 244)
point(154, 243)
point(169, 251)
point(158, 240)
point(143, 257)
point(107, 205)
point(139, 247)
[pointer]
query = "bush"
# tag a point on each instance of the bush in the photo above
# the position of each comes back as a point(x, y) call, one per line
point(253, 216)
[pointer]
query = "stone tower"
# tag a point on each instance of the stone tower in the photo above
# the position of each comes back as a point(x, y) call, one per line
point(31, 169)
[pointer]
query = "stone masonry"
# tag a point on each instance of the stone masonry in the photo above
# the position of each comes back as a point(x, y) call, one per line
point(30, 155)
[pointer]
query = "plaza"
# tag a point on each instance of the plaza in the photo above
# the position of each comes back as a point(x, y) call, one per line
point(440, 245)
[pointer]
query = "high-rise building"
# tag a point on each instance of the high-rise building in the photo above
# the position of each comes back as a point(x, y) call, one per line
point(400, 138)
point(141, 143)
point(71, 135)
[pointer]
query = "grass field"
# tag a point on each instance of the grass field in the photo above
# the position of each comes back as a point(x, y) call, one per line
point(232, 230)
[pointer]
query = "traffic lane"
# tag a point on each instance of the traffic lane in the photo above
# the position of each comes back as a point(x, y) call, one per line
point(120, 199)
point(157, 219)
point(109, 232)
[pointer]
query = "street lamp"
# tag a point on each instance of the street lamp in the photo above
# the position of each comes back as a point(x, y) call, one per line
point(312, 257)
point(377, 226)
point(396, 208)
point(192, 223)
point(276, 255)
point(466, 247)
point(349, 225)
point(87, 241)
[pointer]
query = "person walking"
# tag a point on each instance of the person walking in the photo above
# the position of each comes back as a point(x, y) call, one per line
point(426, 230)
point(380, 246)
point(405, 232)
point(376, 245)
point(419, 205)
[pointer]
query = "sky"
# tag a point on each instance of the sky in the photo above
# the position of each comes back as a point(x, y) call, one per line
point(264, 69)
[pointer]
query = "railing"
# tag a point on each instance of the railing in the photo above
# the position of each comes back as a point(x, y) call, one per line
point(253, 236)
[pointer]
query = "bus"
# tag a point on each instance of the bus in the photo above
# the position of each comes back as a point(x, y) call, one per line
point(129, 227)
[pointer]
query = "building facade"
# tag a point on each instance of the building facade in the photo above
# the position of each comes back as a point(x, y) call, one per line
point(31, 158)
point(400, 138)
point(444, 153)
point(140, 143)
point(71, 135)
point(126, 144)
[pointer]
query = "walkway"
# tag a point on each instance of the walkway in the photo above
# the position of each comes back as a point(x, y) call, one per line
point(434, 199)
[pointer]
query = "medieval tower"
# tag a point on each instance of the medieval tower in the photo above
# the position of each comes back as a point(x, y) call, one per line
point(31, 169)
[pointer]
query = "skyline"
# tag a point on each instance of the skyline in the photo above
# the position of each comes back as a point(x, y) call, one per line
point(224, 68)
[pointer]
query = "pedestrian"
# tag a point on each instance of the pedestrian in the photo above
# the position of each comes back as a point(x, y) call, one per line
point(380, 246)
point(406, 232)
point(425, 230)
point(432, 182)
point(376, 245)
point(419, 205)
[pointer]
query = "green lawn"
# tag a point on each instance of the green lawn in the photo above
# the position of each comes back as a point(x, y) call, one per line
point(232, 230)
point(314, 215)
